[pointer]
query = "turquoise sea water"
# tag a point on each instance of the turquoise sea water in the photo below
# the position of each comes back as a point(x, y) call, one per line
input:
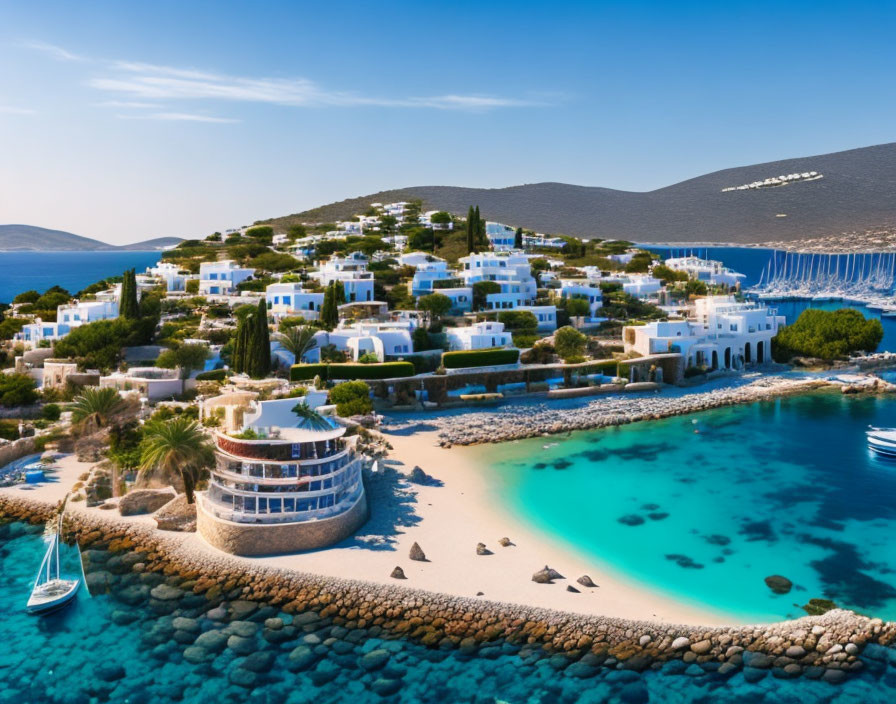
point(121, 646)
point(704, 507)
point(23, 271)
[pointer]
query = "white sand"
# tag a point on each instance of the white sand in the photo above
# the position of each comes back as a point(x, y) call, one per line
point(453, 518)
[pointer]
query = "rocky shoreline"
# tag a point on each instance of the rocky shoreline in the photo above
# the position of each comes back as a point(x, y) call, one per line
point(517, 423)
point(143, 567)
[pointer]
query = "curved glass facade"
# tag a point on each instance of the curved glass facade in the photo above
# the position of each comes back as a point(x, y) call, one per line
point(274, 482)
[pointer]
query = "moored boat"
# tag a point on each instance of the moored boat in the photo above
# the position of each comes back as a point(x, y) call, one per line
point(51, 591)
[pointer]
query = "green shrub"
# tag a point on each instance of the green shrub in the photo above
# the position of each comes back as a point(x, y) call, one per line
point(17, 390)
point(51, 411)
point(304, 372)
point(423, 362)
point(480, 358)
point(352, 398)
point(827, 335)
point(212, 375)
point(386, 370)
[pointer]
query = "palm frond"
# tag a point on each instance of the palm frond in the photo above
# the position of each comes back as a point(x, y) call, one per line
point(309, 419)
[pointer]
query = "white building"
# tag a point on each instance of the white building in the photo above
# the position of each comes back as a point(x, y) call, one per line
point(383, 339)
point(292, 299)
point(478, 336)
point(152, 383)
point(510, 270)
point(352, 272)
point(707, 270)
point(722, 333)
point(68, 317)
point(175, 279)
point(221, 278)
point(501, 238)
point(545, 315)
point(540, 241)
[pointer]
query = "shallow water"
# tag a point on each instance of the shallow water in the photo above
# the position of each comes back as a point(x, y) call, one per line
point(704, 507)
point(113, 647)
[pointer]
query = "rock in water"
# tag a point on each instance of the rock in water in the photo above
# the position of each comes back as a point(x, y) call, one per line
point(779, 584)
point(398, 573)
point(482, 550)
point(505, 542)
point(417, 553)
point(586, 581)
point(543, 576)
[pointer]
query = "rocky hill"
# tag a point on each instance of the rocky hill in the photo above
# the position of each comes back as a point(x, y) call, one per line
point(20, 238)
point(857, 193)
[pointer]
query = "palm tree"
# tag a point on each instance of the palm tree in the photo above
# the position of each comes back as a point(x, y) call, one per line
point(176, 447)
point(311, 419)
point(97, 407)
point(297, 339)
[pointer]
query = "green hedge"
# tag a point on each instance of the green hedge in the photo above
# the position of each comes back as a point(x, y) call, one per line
point(480, 358)
point(304, 372)
point(385, 370)
point(212, 375)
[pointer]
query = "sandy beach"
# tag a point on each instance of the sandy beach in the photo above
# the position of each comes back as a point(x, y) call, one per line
point(448, 521)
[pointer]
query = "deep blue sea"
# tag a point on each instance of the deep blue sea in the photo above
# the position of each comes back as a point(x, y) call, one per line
point(23, 271)
point(704, 507)
point(119, 646)
point(751, 262)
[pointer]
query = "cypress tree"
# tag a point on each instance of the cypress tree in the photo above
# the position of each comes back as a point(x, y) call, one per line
point(481, 239)
point(518, 238)
point(128, 307)
point(471, 230)
point(260, 364)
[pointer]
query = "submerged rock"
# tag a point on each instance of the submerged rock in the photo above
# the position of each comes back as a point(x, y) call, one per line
point(631, 519)
point(778, 584)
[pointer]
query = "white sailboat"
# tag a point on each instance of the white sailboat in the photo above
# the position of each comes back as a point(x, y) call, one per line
point(51, 591)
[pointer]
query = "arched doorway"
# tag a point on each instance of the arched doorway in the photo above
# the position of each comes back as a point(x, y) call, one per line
point(727, 358)
point(748, 354)
point(760, 352)
point(715, 359)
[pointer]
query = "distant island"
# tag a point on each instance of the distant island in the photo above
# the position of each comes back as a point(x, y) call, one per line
point(855, 198)
point(29, 238)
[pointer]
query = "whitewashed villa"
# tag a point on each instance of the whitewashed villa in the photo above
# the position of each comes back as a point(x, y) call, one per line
point(352, 272)
point(706, 270)
point(723, 333)
point(221, 278)
point(479, 336)
point(291, 299)
point(68, 317)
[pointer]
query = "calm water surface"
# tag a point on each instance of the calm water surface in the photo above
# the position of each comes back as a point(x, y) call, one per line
point(704, 507)
point(23, 271)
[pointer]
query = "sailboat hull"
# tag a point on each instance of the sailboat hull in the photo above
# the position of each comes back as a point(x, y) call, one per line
point(52, 596)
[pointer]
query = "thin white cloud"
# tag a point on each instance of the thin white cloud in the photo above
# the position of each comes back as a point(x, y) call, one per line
point(178, 117)
point(56, 52)
point(131, 104)
point(143, 81)
point(12, 110)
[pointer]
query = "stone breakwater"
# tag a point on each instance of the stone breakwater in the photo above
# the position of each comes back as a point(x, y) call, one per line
point(141, 566)
point(516, 423)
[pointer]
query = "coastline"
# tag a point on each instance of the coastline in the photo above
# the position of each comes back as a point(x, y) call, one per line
point(171, 578)
point(512, 423)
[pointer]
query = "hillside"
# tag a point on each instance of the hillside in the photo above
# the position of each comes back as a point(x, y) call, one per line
point(857, 193)
point(23, 238)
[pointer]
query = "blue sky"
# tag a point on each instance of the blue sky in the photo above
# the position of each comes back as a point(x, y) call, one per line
point(123, 121)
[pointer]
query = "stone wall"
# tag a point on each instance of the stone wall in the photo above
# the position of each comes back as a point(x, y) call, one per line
point(825, 646)
point(252, 539)
point(16, 450)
